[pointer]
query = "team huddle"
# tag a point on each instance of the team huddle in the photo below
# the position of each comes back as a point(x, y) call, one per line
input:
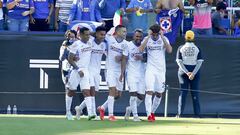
point(141, 60)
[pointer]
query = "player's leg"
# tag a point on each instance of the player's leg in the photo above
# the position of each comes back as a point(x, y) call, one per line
point(85, 87)
point(71, 87)
point(184, 84)
point(194, 85)
point(149, 81)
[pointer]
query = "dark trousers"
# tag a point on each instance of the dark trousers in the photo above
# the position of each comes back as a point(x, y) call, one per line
point(185, 85)
point(40, 25)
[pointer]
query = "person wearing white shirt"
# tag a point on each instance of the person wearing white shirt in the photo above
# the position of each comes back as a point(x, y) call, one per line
point(98, 49)
point(155, 44)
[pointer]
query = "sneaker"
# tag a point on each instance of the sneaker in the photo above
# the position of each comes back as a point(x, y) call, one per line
point(101, 112)
point(78, 112)
point(112, 118)
point(177, 116)
point(69, 116)
point(136, 119)
point(91, 117)
point(128, 113)
point(150, 119)
point(153, 116)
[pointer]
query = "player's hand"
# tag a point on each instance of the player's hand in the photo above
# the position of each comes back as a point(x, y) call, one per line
point(161, 34)
point(32, 20)
point(138, 57)
point(48, 20)
point(157, 11)
point(118, 59)
point(189, 73)
point(25, 13)
point(81, 74)
point(150, 32)
point(191, 77)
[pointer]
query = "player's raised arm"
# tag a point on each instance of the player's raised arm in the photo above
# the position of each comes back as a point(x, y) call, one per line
point(144, 43)
point(166, 43)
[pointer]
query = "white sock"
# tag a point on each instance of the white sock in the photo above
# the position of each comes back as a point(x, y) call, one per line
point(105, 105)
point(133, 105)
point(156, 103)
point(82, 105)
point(88, 101)
point(94, 106)
point(110, 105)
point(148, 104)
point(139, 101)
point(68, 101)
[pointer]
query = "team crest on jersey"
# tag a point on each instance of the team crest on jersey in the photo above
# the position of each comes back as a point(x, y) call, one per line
point(166, 24)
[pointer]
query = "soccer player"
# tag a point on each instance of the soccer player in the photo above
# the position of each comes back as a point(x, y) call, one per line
point(80, 72)
point(99, 48)
point(156, 44)
point(70, 36)
point(135, 74)
point(189, 60)
point(116, 45)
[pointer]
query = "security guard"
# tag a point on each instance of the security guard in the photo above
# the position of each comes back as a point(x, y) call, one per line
point(189, 60)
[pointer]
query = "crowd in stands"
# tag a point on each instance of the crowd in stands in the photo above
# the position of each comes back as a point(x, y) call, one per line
point(57, 15)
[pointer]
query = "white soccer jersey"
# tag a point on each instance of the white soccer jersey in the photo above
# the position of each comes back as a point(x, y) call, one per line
point(156, 55)
point(97, 51)
point(114, 49)
point(135, 68)
point(83, 51)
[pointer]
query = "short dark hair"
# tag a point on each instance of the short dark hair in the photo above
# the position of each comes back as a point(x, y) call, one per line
point(138, 30)
point(155, 28)
point(70, 31)
point(221, 5)
point(101, 28)
point(83, 29)
point(118, 27)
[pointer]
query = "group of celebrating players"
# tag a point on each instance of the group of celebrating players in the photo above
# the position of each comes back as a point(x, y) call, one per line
point(81, 56)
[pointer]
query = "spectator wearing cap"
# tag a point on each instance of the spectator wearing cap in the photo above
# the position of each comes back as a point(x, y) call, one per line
point(217, 18)
point(139, 10)
point(189, 60)
point(202, 24)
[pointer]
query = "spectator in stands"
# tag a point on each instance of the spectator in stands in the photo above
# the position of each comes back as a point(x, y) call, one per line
point(217, 17)
point(108, 9)
point(1, 15)
point(18, 14)
point(202, 24)
point(139, 10)
point(88, 11)
point(62, 10)
point(40, 20)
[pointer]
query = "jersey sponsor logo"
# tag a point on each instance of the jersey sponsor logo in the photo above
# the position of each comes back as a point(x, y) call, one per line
point(113, 48)
point(96, 51)
point(86, 49)
point(154, 48)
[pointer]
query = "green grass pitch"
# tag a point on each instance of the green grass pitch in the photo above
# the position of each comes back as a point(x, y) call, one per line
point(58, 125)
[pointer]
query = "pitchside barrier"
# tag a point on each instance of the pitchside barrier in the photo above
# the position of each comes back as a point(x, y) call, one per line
point(30, 76)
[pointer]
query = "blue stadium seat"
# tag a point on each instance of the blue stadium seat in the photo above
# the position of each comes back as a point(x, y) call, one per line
point(225, 23)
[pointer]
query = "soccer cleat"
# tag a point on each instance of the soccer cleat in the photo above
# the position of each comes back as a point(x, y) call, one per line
point(69, 116)
point(78, 112)
point(101, 112)
point(153, 116)
point(136, 119)
point(97, 118)
point(127, 113)
point(91, 117)
point(150, 119)
point(112, 118)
